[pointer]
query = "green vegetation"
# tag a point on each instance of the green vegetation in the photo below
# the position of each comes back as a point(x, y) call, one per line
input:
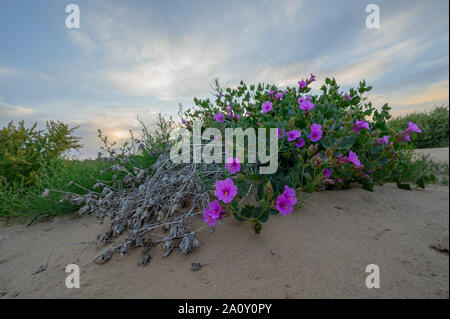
point(421, 170)
point(434, 126)
point(75, 176)
point(33, 161)
point(39, 165)
point(24, 150)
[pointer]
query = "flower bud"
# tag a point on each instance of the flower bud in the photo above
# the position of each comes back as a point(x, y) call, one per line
point(317, 160)
point(268, 190)
point(313, 149)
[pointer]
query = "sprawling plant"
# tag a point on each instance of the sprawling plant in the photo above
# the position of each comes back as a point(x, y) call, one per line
point(326, 141)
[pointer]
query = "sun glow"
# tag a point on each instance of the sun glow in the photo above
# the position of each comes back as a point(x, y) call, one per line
point(121, 134)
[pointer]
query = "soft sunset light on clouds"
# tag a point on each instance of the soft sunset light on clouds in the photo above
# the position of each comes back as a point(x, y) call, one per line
point(144, 57)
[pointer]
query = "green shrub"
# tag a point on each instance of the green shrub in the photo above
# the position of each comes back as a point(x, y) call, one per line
point(24, 150)
point(434, 125)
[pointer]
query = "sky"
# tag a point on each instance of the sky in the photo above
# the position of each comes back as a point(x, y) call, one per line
point(138, 58)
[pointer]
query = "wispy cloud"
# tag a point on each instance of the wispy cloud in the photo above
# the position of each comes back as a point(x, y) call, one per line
point(6, 71)
point(433, 94)
point(180, 70)
point(7, 110)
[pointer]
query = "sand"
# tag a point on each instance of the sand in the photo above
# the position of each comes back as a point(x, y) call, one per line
point(320, 251)
point(436, 154)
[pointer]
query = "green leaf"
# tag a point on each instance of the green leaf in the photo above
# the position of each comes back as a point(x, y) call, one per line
point(368, 185)
point(326, 142)
point(404, 186)
point(238, 218)
point(247, 211)
point(273, 211)
point(347, 142)
point(432, 178)
point(256, 211)
point(420, 181)
point(260, 191)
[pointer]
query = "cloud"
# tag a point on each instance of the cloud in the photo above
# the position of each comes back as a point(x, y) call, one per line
point(6, 71)
point(7, 110)
point(180, 70)
point(83, 40)
point(432, 95)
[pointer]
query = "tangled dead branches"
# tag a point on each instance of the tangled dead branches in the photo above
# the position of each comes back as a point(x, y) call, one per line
point(152, 207)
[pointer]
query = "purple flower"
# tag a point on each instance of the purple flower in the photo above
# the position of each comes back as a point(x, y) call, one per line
point(232, 165)
point(316, 132)
point(301, 85)
point(306, 106)
point(359, 125)
point(230, 115)
point(213, 213)
point(183, 122)
point(279, 95)
point(290, 195)
point(266, 106)
point(352, 157)
point(281, 133)
point(312, 78)
point(271, 93)
point(326, 173)
point(364, 175)
point(308, 97)
point(283, 205)
point(383, 140)
point(300, 143)
point(219, 117)
point(209, 218)
point(412, 127)
point(348, 97)
point(293, 135)
point(225, 190)
point(215, 208)
point(237, 116)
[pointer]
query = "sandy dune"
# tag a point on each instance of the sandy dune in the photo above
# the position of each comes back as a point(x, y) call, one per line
point(436, 154)
point(320, 251)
